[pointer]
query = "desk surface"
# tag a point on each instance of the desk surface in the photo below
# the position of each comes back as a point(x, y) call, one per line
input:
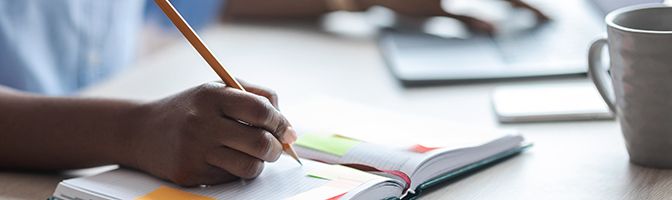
point(570, 160)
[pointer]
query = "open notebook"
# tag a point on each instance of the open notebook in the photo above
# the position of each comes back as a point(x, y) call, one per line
point(352, 153)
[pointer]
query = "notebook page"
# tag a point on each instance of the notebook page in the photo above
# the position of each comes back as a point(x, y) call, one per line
point(386, 136)
point(389, 128)
point(286, 178)
point(378, 156)
point(282, 179)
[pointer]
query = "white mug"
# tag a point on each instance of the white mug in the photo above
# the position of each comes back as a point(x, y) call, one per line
point(638, 86)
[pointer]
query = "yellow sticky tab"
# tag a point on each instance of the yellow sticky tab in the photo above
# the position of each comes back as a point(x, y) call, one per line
point(168, 193)
point(338, 172)
point(327, 143)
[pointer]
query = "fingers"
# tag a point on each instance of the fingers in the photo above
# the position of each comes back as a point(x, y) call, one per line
point(250, 108)
point(253, 141)
point(486, 27)
point(237, 163)
point(474, 23)
point(261, 91)
point(215, 175)
point(257, 111)
point(520, 4)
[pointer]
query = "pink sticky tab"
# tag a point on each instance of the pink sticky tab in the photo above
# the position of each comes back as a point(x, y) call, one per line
point(422, 149)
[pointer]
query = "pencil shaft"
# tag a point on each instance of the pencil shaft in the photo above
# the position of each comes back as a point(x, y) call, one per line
point(205, 52)
point(198, 44)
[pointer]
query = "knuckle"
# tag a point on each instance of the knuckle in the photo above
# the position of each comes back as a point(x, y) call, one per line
point(279, 129)
point(272, 95)
point(261, 100)
point(261, 112)
point(205, 92)
point(264, 145)
point(275, 156)
point(251, 168)
point(192, 119)
point(274, 152)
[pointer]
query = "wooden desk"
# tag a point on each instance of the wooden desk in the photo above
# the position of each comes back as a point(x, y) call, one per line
point(570, 160)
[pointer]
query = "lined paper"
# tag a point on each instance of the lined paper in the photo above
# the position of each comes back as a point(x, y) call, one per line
point(279, 180)
point(332, 189)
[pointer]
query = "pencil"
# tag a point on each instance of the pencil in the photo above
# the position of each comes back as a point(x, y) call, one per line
point(210, 58)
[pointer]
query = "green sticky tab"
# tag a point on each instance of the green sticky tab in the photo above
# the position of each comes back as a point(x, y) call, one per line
point(327, 143)
point(316, 176)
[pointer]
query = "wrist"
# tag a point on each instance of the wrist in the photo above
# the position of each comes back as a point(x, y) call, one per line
point(127, 137)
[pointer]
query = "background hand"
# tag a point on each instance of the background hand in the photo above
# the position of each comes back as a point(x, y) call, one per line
point(432, 8)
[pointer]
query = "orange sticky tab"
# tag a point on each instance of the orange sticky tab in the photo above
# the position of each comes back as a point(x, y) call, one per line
point(167, 193)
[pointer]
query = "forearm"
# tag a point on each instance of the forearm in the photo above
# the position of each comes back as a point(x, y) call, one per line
point(52, 133)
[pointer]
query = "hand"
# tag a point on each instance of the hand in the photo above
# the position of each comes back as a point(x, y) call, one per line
point(430, 8)
point(197, 137)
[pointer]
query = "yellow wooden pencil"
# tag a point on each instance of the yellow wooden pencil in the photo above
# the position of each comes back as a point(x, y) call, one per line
point(205, 52)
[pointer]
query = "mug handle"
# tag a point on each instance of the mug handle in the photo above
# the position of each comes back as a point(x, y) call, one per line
point(599, 75)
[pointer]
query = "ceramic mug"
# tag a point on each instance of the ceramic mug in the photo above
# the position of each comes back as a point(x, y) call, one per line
point(638, 84)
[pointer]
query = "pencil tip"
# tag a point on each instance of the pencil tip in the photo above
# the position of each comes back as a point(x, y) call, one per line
point(289, 150)
point(296, 157)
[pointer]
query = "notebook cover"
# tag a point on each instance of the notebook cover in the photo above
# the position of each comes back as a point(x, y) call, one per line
point(467, 170)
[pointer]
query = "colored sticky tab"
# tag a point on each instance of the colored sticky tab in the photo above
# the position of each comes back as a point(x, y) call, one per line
point(331, 144)
point(332, 190)
point(338, 172)
point(337, 197)
point(422, 149)
point(168, 193)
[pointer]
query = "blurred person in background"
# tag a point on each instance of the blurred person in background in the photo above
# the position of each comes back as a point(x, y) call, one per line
point(50, 49)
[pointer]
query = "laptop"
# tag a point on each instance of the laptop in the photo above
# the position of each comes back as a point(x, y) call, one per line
point(555, 48)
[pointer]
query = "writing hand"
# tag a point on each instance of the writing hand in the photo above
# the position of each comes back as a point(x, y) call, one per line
point(196, 137)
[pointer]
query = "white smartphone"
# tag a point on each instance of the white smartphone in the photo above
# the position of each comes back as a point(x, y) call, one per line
point(549, 102)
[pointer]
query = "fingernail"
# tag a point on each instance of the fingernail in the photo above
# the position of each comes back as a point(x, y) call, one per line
point(289, 136)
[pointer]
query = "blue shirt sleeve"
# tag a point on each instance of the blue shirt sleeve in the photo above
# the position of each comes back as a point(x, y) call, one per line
point(57, 47)
point(198, 13)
